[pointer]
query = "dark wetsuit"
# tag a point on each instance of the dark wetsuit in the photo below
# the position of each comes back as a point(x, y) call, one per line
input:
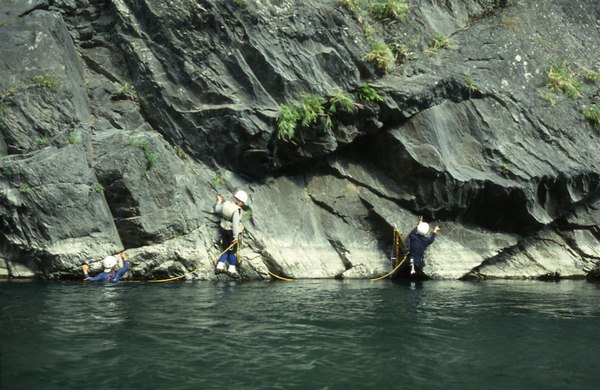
point(418, 244)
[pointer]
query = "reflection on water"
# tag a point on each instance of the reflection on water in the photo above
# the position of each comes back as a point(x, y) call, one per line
point(304, 334)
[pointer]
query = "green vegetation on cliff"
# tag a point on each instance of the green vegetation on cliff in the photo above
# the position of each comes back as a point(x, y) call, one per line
point(593, 115)
point(311, 110)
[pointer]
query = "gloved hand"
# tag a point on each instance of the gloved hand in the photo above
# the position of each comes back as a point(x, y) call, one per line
point(85, 268)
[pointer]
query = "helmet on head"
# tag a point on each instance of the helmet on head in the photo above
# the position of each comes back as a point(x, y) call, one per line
point(242, 196)
point(423, 228)
point(108, 263)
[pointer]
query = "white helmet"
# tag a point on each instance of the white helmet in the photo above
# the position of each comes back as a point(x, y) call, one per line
point(242, 196)
point(423, 228)
point(108, 263)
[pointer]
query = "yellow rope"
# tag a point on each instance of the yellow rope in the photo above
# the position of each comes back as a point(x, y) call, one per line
point(197, 269)
point(392, 271)
point(397, 241)
point(280, 277)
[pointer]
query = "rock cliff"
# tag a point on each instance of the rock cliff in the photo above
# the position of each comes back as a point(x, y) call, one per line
point(120, 120)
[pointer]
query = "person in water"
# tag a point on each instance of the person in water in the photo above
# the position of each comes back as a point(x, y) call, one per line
point(110, 272)
point(231, 228)
point(419, 240)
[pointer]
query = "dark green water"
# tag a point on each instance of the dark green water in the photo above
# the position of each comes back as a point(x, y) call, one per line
point(300, 335)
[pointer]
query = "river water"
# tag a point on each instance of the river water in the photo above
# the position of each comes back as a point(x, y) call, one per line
point(323, 334)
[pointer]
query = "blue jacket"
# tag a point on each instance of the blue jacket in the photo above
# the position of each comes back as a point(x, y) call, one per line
point(112, 277)
point(418, 244)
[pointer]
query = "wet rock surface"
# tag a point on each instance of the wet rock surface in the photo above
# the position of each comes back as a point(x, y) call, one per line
point(120, 121)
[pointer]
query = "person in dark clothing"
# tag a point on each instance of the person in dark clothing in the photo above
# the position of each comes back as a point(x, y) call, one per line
point(110, 272)
point(419, 241)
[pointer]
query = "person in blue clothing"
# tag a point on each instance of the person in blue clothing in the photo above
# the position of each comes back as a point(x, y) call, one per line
point(419, 240)
point(110, 272)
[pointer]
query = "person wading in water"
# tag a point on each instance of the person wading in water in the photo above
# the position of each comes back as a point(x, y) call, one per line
point(110, 272)
point(419, 241)
point(231, 228)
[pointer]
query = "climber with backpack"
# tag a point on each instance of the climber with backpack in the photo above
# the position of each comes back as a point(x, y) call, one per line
point(231, 230)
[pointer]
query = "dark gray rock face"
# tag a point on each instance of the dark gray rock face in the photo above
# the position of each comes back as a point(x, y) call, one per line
point(120, 120)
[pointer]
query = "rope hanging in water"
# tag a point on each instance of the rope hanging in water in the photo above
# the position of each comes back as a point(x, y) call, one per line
point(197, 269)
point(397, 242)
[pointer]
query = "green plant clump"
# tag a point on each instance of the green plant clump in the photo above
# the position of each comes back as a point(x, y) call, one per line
point(41, 141)
point(42, 81)
point(311, 110)
point(593, 115)
point(509, 22)
point(593, 76)
point(351, 5)
point(287, 120)
point(6, 170)
point(549, 97)
point(218, 181)
point(151, 156)
point(247, 215)
point(151, 159)
point(181, 153)
point(367, 93)
point(382, 56)
point(126, 91)
point(39, 81)
point(470, 84)
point(307, 112)
point(440, 41)
point(561, 77)
point(25, 187)
point(311, 107)
point(45, 82)
point(343, 101)
point(388, 9)
point(72, 139)
point(400, 49)
point(8, 92)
